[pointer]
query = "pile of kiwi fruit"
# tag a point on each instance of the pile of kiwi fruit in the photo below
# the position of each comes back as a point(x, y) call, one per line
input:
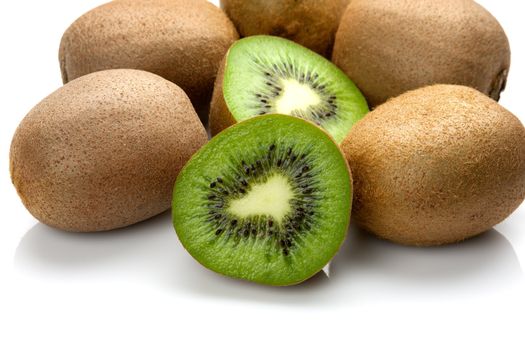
point(386, 110)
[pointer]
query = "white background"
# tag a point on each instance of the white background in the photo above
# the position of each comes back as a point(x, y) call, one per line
point(136, 288)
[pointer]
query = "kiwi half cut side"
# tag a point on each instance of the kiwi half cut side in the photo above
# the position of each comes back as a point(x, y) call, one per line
point(267, 200)
point(270, 75)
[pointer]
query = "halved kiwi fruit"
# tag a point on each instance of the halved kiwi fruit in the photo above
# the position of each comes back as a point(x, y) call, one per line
point(267, 200)
point(265, 75)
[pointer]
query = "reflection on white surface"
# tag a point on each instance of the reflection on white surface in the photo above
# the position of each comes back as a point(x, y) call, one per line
point(365, 268)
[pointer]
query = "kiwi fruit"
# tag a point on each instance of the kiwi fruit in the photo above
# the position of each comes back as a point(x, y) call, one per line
point(267, 200)
point(180, 40)
point(104, 150)
point(388, 47)
point(436, 165)
point(266, 74)
point(311, 23)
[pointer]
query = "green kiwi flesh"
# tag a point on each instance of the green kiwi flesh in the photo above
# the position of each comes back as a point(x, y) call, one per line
point(268, 200)
point(266, 75)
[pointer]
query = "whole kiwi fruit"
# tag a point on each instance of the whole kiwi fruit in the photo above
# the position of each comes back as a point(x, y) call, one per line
point(388, 47)
point(436, 165)
point(180, 40)
point(104, 150)
point(311, 23)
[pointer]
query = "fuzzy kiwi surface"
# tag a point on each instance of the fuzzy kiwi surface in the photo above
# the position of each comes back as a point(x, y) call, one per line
point(104, 150)
point(180, 40)
point(436, 165)
point(267, 200)
point(311, 23)
point(388, 47)
point(266, 74)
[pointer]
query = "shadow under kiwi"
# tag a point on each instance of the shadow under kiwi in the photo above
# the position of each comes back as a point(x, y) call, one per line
point(144, 250)
point(148, 252)
point(366, 267)
point(371, 267)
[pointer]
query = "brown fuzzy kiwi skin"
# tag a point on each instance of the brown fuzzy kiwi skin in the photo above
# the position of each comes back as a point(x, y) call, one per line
point(103, 151)
point(388, 47)
point(220, 117)
point(436, 165)
point(180, 40)
point(311, 23)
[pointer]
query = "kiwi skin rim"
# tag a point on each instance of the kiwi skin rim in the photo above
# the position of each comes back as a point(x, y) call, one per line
point(220, 117)
point(347, 223)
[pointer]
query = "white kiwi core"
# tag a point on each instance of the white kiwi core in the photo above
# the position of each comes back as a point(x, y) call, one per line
point(271, 198)
point(295, 96)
